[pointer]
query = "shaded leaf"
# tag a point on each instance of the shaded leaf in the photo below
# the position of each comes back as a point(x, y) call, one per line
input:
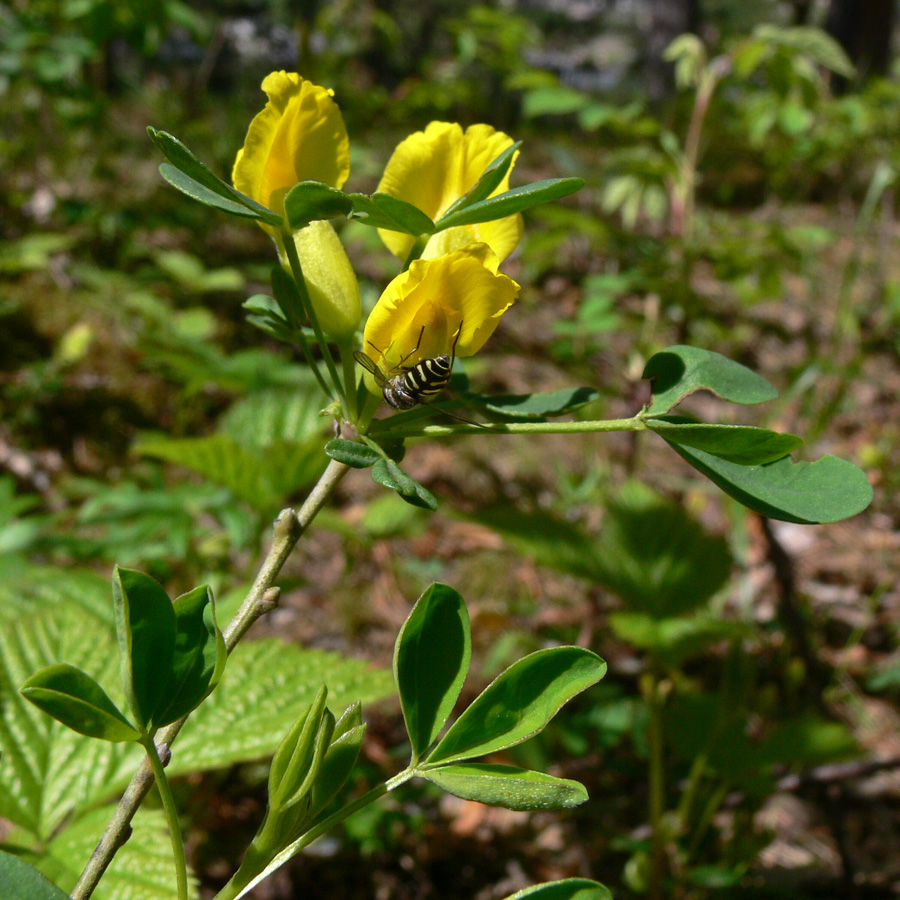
point(388, 474)
point(489, 180)
point(75, 699)
point(742, 444)
point(536, 406)
point(309, 201)
point(519, 702)
point(352, 453)
point(818, 45)
point(827, 490)
point(510, 202)
point(384, 211)
point(21, 881)
point(680, 370)
point(145, 630)
point(340, 759)
point(507, 786)
point(431, 659)
point(567, 889)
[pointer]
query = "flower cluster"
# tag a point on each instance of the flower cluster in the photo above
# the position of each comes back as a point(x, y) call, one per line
point(451, 296)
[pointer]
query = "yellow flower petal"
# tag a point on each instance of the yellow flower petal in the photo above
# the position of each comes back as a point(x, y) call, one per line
point(432, 169)
point(420, 312)
point(299, 136)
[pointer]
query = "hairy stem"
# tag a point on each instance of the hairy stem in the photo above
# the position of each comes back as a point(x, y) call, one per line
point(636, 423)
point(289, 527)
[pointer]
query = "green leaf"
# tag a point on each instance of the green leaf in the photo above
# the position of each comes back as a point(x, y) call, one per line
point(199, 655)
point(352, 453)
point(681, 370)
point(536, 406)
point(346, 741)
point(489, 180)
point(742, 444)
point(193, 178)
point(47, 772)
point(507, 786)
point(143, 869)
point(266, 686)
point(75, 699)
point(388, 474)
point(145, 628)
point(510, 202)
point(519, 702)
point(567, 889)
point(431, 658)
point(21, 881)
point(384, 211)
point(827, 490)
point(814, 43)
point(309, 201)
point(287, 296)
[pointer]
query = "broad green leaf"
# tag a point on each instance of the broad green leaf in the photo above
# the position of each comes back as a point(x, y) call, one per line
point(507, 786)
point(271, 417)
point(340, 759)
point(827, 490)
point(191, 176)
point(388, 474)
point(806, 742)
point(199, 654)
point(309, 201)
point(742, 444)
point(431, 659)
point(675, 639)
point(27, 588)
point(814, 43)
point(21, 881)
point(352, 453)
point(567, 889)
point(75, 699)
point(392, 213)
point(553, 99)
point(143, 869)
point(519, 702)
point(145, 628)
point(510, 202)
point(489, 180)
point(266, 686)
point(48, 772)
point(536, 406)
point(680, 370)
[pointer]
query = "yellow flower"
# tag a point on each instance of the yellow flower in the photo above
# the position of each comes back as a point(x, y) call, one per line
point(299, 136)
point(432, 169)
point(427, 304)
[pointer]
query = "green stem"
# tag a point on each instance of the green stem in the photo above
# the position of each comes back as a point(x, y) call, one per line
point(297, 271)
point(636, 423)
point(232, 890)
point(348, 363)
point(168, 802)
point(657, 784)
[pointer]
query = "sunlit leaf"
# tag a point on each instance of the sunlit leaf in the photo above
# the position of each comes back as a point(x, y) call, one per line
point(21, 881)
point(536, 406)
point(567, 889)
point(309, 201)
point(388, 474)
point(352, 453)
point(384, 211)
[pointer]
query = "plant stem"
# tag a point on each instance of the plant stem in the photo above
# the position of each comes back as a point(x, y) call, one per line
point(636, 423)
point(168, 802)
point(233, 891)
point(656, 775)
point(289, 527)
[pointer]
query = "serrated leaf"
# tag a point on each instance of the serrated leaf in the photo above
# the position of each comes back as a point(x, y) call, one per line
point(519, 702)
point(47, 771)
point(545, 404)
point(680, 370)
point(507, 786)
point(199, 657)
point(431, 659)
point(742, 444)
point(265, 418)
point(567, 889)
point(814, 43)
point(266, 685)
point(391, 213)
point(827, 490)
point(309, 201)
point(388, 474)
point(143, 869)
point(510, 202)
point(191, 176)
point(352, 453)
point(21, 881)
point(145, 630)
point(26, 588)
point(75, 699)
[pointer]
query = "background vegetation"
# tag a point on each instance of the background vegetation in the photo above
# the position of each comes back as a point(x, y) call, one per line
point(741, 198)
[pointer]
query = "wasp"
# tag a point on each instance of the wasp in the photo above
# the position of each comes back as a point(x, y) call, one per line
point(409, 386)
